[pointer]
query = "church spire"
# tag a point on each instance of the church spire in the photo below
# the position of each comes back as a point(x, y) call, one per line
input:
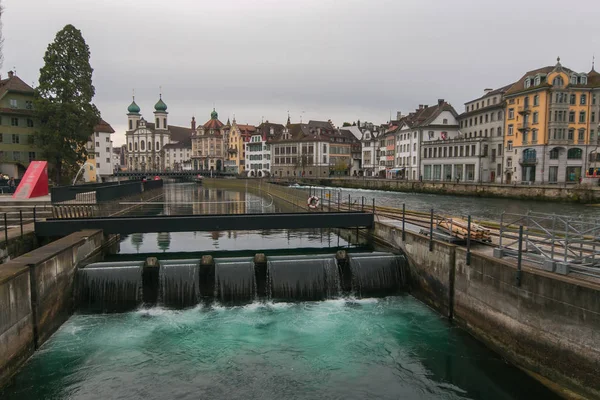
point(288, 120)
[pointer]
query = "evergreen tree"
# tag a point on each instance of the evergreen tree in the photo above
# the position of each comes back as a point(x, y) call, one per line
point(63, 102)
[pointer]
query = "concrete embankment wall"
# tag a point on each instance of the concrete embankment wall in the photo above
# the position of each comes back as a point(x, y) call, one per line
point(36, 294)
point(296, 198)
point(548, 325)
point(573, 193)
point(17, 246)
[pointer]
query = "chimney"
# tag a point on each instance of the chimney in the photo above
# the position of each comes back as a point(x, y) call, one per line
point(440, 102)
point(420, 106)
point(487, 90)
point(398, 115)
point(193, 123)
point(10, 74)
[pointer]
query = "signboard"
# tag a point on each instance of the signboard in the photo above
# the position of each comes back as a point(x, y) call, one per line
point(34, 182)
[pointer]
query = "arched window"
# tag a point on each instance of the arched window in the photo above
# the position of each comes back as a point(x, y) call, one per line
point(142, 145)
point(157, 123)
point(149, 146)
point(129, 146)
point(554, 154)
point(130, 124)
point(499, 115)
point(558, 81)
point(157, 148)
point(574, 154)
point(529, 155)
point(135, 145)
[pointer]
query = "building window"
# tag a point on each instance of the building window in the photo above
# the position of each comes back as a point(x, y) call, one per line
point(130, 124)
point(509, 145)
point(98, 165)
point(15, 139)
point(535, 117)
point(536, 99)
point(572, 99)
point(129, 146)
point(574, 154)
point(142, 145)
point(510, 130)
point(583, 99)
point(29, 123)
point(164, 123)
point(558, 81)
point(511, 113)
point(136, 146)
point(31, 156)
point(534, 134)
point(570, 134)
point(509, 162)
point(593, 99)
point(571, 116)
point(581, 135)
point(491, 132)
point(13, 103)
point(499, 131)
point(582, 117)
point(28, 105)
point(499, 115)
point(14, 121)
point(157, 123)
point(554, 154)
point(593, 117)
point(97, 134)
point(527, 83)
point(108, 160)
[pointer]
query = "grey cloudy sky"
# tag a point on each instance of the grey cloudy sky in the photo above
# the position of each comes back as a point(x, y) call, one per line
point(319, 59)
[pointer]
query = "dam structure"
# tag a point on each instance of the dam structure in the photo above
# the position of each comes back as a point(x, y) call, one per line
point(239, 289)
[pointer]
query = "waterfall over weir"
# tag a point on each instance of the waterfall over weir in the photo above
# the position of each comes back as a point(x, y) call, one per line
point(303, 278)
point(123, 286)
point(110, 287)
point(179, 284)
point(235, 282)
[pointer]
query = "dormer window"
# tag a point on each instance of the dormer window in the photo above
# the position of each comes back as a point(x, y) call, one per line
point(538, 80)
point(445, 121)
point(558, 81)
point(583, 80)
point(573, 80)
point(527, 83)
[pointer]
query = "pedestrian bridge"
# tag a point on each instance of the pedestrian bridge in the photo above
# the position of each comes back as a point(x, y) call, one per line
point(192, 223)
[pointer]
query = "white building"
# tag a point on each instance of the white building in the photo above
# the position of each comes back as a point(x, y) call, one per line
point(370, 144)
point(100, 153)
point(178, 155)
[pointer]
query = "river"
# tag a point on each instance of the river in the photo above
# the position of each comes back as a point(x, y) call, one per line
point(387, 348)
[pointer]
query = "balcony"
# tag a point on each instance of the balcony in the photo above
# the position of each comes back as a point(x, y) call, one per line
point(559, 142)
point(524, 109)
point(528, 161)
point(523, 126)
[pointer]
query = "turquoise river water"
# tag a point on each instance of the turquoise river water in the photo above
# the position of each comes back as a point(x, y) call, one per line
point(389, 348)
point(392, 348)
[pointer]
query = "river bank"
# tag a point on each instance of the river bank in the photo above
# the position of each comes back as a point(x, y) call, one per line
point(582, 194)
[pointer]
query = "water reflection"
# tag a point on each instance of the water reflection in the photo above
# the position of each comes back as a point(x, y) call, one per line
point(186, 199)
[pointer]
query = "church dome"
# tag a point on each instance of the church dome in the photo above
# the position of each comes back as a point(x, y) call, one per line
point(214, 114)
point(133, 108)
point(160, 106)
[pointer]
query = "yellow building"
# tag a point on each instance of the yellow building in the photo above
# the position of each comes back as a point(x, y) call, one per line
point(551, 125)
point(239, 135)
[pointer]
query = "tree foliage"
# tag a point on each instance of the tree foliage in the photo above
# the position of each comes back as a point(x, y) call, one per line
point(63, 102)
point(345, 124)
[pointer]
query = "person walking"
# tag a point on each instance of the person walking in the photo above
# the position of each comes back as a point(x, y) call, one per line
point(11, 185)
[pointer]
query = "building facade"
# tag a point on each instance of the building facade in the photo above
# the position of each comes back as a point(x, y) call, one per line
point(258, 149)
point(551, 125)
point(483, 120)
point(239, 135)
point(370, 152)
point(209, 145)
point(18, 125)
point(99, 148)
point(178, 155)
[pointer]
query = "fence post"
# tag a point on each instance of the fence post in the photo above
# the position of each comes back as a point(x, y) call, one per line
point(362, 203)
point(403, 221)
point(21, 222)
point(322, 201)
point(349, 203)
point(329, 203)
point(500, 238)
point(431, 232)
point(373, 206)
point(469, 241)
point(519, 255)
point(6, 230)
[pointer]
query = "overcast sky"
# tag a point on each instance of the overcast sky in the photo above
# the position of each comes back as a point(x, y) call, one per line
point(319, 59)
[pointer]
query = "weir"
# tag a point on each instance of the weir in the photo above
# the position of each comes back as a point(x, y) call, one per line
point(118, 287)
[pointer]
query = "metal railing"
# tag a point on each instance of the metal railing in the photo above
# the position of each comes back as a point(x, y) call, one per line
point(555, 243)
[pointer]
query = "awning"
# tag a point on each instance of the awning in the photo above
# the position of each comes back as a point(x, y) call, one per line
point(396, 170)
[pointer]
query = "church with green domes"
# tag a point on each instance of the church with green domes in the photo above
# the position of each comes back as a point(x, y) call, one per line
point(146, 141)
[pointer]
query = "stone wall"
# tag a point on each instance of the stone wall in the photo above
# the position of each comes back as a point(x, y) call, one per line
point(571, 193)
point(549, 325)
point(36, 295)
point(17, 246)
